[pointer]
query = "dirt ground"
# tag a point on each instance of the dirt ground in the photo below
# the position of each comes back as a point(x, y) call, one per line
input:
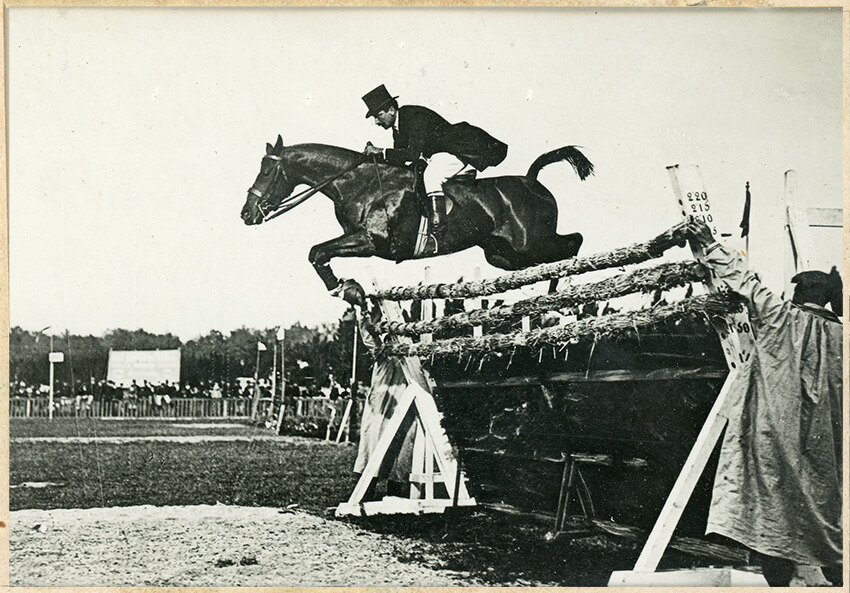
point(205, 545)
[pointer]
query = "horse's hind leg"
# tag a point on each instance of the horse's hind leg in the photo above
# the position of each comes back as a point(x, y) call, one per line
point(561, 247)
point(501, 255)
point(564, 246)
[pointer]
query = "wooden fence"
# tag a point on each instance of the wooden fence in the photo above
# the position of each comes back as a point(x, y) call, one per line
point(313, 408)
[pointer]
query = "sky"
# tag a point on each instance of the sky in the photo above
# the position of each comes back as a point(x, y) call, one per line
point(133, 135)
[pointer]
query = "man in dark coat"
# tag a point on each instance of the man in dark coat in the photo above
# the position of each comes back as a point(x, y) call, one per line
point(420, 135)
point(778, 484)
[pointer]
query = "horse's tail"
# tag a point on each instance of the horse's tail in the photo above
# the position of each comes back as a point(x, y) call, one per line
point(571, 154)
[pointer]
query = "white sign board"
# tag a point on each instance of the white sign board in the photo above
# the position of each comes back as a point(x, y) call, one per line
point(56, 357)
point(153, 366)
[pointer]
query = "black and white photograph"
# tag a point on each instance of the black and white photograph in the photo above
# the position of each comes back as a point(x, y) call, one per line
point(425, 296)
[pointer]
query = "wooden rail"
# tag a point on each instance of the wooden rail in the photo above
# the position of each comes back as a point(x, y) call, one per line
point(663, 374)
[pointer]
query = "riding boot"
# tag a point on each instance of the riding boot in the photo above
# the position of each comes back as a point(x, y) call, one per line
point(438, 223)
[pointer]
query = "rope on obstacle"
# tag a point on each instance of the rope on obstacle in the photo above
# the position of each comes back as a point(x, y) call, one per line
point(663, 277)
point(633, 254)
point(710, 304)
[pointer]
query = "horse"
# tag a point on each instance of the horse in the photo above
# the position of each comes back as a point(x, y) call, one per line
point(512, 218)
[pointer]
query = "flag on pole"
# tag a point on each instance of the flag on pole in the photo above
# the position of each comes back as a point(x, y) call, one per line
point(261, 347)
point(745, 220)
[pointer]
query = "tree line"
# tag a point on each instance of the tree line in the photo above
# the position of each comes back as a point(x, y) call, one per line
point(310, 355)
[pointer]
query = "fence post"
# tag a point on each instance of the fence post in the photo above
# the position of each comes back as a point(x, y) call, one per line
point(426, 313)
point(477, 330)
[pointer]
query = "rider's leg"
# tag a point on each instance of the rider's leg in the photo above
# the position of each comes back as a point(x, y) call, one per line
point(440, 167)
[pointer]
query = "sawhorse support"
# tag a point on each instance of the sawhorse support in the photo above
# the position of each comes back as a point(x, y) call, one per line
point(573, 481)
point(737, 340)
point(432, 451)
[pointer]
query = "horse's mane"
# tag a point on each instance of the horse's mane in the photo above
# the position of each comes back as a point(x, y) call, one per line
point(346, 156)
point(327, 149)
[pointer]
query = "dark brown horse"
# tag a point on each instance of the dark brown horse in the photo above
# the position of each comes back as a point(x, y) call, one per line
point(512, 218)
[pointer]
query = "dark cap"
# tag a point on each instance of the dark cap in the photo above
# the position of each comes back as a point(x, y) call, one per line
point(815, 279)
point(825, 288)
point(376, 99)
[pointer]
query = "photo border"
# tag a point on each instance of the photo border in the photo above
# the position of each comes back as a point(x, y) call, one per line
point(642, 5)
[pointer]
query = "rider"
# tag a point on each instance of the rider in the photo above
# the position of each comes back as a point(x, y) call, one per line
point(425, 140)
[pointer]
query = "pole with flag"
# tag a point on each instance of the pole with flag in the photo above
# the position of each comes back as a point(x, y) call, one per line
point(281, 337)
point(274, 372)
point(745, 223)
point(256, 404)
point(345, 425)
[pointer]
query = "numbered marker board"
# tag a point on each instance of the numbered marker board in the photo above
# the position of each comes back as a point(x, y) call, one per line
point(735, 331)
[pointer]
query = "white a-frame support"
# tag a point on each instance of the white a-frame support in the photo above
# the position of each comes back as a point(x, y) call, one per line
point(737, 341)
point(431, 447)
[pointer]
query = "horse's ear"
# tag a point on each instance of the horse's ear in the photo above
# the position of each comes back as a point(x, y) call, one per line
point(269, 148)
point(279, 144)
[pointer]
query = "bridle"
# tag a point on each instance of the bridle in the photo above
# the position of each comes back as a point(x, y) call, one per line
point(290, 202)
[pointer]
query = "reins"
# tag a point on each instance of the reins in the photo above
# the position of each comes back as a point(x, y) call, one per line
point(293, 200)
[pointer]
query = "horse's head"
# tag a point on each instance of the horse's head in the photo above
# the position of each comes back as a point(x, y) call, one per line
point(271, 187)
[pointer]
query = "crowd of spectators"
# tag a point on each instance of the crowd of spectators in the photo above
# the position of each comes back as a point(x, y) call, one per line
point(160, 394)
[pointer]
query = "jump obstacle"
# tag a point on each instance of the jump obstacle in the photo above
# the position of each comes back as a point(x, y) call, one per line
point(447, 338)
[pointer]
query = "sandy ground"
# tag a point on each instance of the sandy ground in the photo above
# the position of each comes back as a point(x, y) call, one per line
point(209, 546)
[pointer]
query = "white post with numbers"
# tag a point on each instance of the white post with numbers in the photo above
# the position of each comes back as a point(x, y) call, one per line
point(737, 340)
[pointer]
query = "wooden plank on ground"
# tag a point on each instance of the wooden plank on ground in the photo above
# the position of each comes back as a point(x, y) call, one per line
point(392, 505)
point(692, 577)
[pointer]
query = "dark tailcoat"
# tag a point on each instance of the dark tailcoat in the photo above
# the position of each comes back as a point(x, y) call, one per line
point(422, 131)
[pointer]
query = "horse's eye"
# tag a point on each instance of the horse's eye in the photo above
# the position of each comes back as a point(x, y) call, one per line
point(267, 171)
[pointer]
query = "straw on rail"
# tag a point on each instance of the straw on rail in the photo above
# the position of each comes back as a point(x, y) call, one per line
point(710, 304)
point(663, 277)
point(633, 254)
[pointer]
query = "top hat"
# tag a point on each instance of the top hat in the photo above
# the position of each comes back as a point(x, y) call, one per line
point(376, 99)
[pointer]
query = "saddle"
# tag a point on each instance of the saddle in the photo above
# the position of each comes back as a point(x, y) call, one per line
point(469, 177)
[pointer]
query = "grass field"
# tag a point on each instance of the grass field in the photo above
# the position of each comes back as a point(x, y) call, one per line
point(91, 427)
point(276, 473)
point(314, 475)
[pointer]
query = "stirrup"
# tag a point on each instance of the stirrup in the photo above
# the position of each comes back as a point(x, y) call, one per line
point(432, 246)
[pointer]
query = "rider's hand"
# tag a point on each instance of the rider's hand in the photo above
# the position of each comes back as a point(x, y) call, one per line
point(371, 150)
point(700, 233)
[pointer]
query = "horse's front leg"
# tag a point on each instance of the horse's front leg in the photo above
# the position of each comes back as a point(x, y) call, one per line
point(358, 244)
